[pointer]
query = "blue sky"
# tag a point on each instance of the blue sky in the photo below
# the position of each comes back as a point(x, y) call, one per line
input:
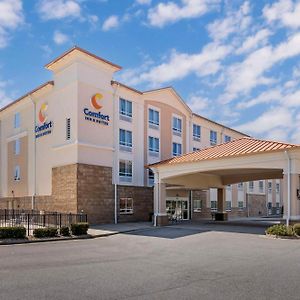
point(236, 62)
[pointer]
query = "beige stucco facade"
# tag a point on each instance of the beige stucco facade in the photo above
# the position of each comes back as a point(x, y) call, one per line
point(76, 138)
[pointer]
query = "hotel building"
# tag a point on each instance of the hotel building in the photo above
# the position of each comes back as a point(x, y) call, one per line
point(81, 143)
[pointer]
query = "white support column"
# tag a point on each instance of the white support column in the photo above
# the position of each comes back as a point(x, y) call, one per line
point(160, 215)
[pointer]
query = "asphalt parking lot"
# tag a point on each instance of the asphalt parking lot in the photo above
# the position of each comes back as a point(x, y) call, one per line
point(178, 262)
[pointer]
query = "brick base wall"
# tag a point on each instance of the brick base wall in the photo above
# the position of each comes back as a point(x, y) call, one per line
point(142, 203)
point(40, 203)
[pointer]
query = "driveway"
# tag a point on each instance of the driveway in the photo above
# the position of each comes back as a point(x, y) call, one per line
point(177, 262)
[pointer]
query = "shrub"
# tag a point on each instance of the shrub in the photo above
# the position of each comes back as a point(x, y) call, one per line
point(44, 232)
point(297, 229)
point(79, 228)
point(65, 231)
point(280, 230)
point(12, 232)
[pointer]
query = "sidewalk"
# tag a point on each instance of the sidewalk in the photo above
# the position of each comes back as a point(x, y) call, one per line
point(111, 229)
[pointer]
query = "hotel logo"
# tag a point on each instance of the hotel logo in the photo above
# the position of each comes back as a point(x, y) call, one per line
point(44, 127)
point(96, 116)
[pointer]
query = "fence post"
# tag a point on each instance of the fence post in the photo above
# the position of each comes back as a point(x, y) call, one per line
point(28, 224)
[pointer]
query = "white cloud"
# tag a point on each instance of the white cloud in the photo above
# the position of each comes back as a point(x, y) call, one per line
point(254, 41)
point(286, 12)
point(11, 17)
point(244, 76)
point(171, 12)
point(110, 23)
point(198, 104)
point(275, 118)
point(143, 2)
point(235, 21)
point(180, 65)
point(59, 9)
point(60, 38)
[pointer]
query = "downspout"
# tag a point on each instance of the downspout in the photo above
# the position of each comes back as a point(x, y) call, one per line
point(156, 198)
point(115, 156)
point(288, 189)
point(34, 155)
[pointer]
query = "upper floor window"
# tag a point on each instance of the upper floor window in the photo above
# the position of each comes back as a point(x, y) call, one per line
point(150, 177)
point(240, 185)
point(17, 120)
point(251, 186)
point(213, 137)
point(177, 125)
point(153, 117)
point(17, 174)
point(17, 146)
point(261, 186)
point(125, 108)
point(277, 188)
point(177, 149)
point(196, 132)
point(153, 144)
point(269, 187)
point(125, 138)
point(227, 138)
point(195, 149)
point(125, 170)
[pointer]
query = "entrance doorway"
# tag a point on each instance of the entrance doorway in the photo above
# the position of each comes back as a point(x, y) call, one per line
point(177, 208)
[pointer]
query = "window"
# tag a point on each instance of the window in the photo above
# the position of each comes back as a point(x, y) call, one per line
point(269, 187)
point(17, 146)
point(196, 132)
point(213, 137)
point(17, 120)
point(126, 205)
point(227, 139)
point(176, 149)
point(261, 186)
point(195, 149)
point(153, 117)
point(213, 205)
point(240, 185)
point(197, 205)
point(153, 144)
point(177, 125)
point(277, 188)
point(150, 177)
point(240, 204)
point(125, 138)
point(68, 129)
point(228, 205)
point(251, 186)
point(125, 170)
point(125, 108)
point(17, 175)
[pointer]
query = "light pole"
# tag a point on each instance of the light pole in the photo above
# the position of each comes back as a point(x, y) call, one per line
point(34, 156)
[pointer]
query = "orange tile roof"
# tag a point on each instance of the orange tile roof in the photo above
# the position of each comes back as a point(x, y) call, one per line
point(238, 147)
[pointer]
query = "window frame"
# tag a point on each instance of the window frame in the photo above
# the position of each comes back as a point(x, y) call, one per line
point(128, 170)
point(17, 147)
point(213, 134)
point(17, 173)
point(196, 136)
point(126, 210)
point(197, 208)
point(155, 112)
point(175, 122)
point(127, 104)
point(17, 120)
point(177, 145)
point(213, 207)
point(155, 142)
point(227, 138)
point(127, 143)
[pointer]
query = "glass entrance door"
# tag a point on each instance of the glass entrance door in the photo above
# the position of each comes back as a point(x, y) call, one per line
point(177, 208)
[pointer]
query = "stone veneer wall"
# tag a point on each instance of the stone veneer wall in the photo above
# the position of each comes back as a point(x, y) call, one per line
point(257, 205)
point(142, 203)
point(95, 193)
point(40, 203)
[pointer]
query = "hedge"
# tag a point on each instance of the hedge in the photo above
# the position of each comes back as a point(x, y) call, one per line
point(65, 231)
point(79, 228)
point(12, 232)
point(297, 229)
point(44, 232)
point(280, 230)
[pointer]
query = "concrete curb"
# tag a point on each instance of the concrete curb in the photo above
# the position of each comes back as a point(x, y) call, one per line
point(85, 237)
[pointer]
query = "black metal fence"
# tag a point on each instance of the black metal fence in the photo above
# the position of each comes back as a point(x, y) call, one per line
point(31, 219)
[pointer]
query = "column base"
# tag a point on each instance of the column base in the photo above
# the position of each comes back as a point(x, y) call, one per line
point(162, 220)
